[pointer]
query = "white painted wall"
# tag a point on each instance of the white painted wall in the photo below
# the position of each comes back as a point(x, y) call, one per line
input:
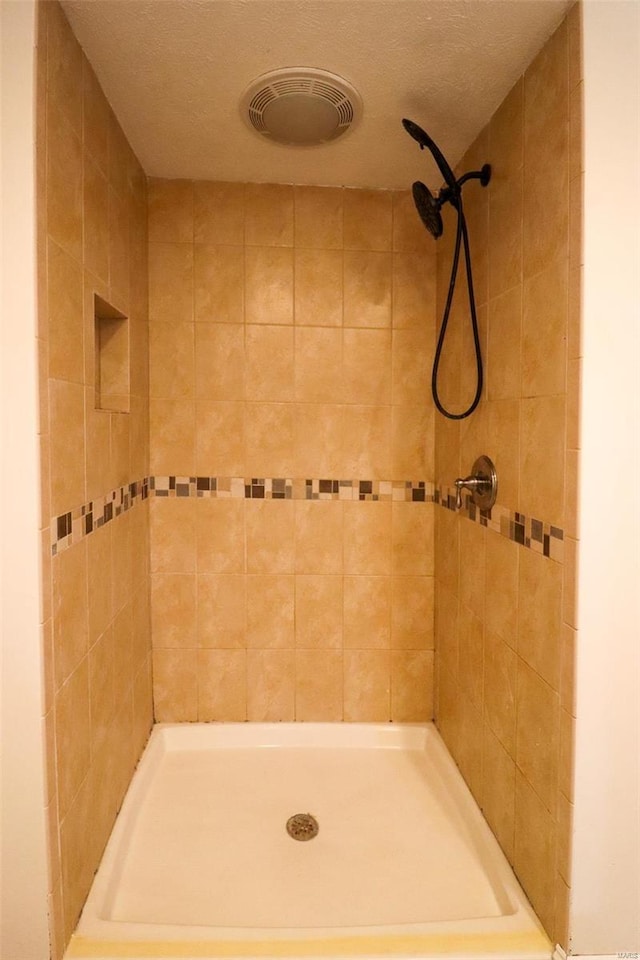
point(605, 910)
point(23, 870)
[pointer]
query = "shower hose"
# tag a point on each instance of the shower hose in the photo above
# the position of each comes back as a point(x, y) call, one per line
point(462, 236)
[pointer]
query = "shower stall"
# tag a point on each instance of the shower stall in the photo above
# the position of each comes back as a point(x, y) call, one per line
point(248, 508)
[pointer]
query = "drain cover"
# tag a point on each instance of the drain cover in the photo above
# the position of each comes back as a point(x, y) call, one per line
point(302, 826)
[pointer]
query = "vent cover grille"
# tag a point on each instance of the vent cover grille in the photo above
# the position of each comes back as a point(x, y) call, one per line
point(301, 106)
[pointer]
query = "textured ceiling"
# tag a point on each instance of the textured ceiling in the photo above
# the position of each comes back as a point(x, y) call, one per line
point(175, 70)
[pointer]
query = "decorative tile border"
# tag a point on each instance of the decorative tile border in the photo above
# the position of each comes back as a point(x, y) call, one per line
point(284, 488)
point(536, 535)
point(70, 528)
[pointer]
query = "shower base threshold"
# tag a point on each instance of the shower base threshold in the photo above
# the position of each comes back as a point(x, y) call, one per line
point(206, 860)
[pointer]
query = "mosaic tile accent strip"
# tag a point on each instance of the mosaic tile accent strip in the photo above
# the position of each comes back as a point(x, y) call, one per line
point(71, 527)
point(285, 488)
point(536, 535)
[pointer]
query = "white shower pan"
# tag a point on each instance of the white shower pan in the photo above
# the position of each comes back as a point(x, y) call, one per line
point(200, 863)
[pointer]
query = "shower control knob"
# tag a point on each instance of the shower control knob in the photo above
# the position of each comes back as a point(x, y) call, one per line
point(483, 484)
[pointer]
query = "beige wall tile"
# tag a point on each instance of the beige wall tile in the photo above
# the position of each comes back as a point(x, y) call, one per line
point(269, 362)
point(175, 685)
point(318, 365)
point(503, 439)
point(268, 215)
point(171, 360)
point(67, 450)
point(473, 540)
point(446, 631)
point(222, 685)
point(95, 117)
point(367, 219)
point(64, 182)
point(270, 611)
point(70, 616)
point(221, 611)
point(170, 204)
point(366, 441)
point(270, 536)
point(542, 427)
point(218, 283)
point(268, 285)
point(270, 440)
point(367, 289)
point(319, 685)
point(571, 514)
point(409, 234)
point(218, 210)
point(367, 613)
point(73, 735)
point(367, 538)
point(367, 366)
point(567, 669)
point(566, 754)
point(500, 670)
point(414, 290)
point(318, 217)
point(412, 539)
point(220, 535)
point(270, 685)
point(470, 656)
point(173, 610)
point(220, 438)
point(469, 750)
point(219, 361)
point(447, 551)
point(172, 431)
point(119, 253)
point(318, 437)
point(411, 359)
point(539, 614)
point(544, 332)
point(173, 535)
point(171, 282)
point(411, 685)
point(501, 587)
point(412, 447)
point(367, 686)
point(99, 582)
point(506, 212)
point(503, 358)
point(506, 136)
point(318, 537)
point(96, 220)
point(318, 611)
point(65, 316)
point(498, 790)
point(537, 738)
point(318, 288)
point(534, 850)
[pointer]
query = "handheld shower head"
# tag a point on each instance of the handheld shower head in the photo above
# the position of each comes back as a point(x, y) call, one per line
point(425, 140)
point(428, 208)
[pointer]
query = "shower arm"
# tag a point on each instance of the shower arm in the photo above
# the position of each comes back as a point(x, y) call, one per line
point(447, 194)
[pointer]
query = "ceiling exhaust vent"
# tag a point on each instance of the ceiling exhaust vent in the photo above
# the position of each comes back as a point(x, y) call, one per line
point(301, 106)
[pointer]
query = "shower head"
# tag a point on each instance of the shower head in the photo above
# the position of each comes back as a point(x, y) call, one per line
point(425, 140)
point(428, 207)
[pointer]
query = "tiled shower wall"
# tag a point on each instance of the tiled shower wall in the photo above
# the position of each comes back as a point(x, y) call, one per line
point(92, 239)
point(291, 337)
point(505, 612)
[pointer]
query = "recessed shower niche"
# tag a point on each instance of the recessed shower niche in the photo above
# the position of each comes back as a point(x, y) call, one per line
point(111, 357)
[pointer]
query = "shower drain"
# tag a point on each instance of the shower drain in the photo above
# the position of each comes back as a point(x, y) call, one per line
point(302, 826)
